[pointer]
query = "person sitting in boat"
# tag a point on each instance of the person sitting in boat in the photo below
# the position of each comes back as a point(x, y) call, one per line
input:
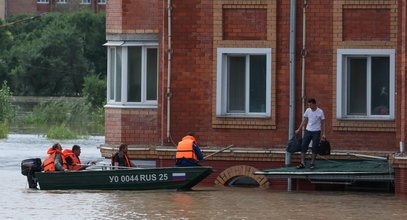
point(55, 160)
point(188, 152)
point(120, 159)
point(72, 158)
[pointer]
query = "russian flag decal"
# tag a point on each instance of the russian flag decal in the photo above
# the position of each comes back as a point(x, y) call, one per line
point(178, 177)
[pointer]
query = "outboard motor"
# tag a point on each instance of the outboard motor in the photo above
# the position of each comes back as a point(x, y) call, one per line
point(28, 168)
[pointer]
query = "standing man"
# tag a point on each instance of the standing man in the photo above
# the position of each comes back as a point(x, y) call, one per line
point(314, 120)
point(121, 159)
point(188, 152)
point(72, 158)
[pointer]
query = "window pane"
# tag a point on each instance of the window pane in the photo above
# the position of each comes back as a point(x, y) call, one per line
point(380, 86)
point(134, 74)
point(152, 74)
point(258, 83)
point(118, 95)
point(357, 86)
point(111, 72)
point(236, 84)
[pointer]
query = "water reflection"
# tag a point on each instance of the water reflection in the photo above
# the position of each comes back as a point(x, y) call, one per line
point(19, 202)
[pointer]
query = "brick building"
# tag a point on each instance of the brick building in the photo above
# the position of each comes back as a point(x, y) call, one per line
point(14, 7)
point(221, 68)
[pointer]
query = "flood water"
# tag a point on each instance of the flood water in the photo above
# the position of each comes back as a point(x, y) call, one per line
point(19, 202)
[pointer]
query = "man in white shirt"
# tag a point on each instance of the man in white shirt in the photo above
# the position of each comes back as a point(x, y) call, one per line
point(314, 120)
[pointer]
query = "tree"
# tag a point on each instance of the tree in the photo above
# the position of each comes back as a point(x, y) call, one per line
point(52, 55)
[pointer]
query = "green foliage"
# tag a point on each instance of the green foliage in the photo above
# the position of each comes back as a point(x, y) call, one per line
point(61, 132)
point(76, 114)
point(94, 90)
point(51, 56)
point(3, 130)
point(7, 109)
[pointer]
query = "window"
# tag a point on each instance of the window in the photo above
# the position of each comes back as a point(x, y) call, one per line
point(85, 2)
point(132, 74)
point(243, 82)
point(42, 1)
point(101, 2)
point(62, 1)
point(365, 84)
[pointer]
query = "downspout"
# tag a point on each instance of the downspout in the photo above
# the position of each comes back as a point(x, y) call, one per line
point(304, 53)
point(403, 78)
point(291, 121)
point(162, 72)
point(169, 52)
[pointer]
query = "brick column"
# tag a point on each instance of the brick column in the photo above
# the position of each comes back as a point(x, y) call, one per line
point(400, 181)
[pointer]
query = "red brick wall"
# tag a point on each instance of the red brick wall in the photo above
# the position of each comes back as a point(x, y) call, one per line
point(366, 24)
point(133, 16)
point(41, 8)
point(400, 181)
point(146, 9)
point(194, 61)
point(15, 7)
point(244, 24)
point(114, 16)
point(135, 127)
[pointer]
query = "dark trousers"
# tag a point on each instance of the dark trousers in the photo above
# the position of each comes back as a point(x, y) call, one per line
point(315, 136)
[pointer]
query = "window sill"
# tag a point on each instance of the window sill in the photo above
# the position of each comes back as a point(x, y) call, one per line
point(121, 105)
point(366, 119)
point(244, 116)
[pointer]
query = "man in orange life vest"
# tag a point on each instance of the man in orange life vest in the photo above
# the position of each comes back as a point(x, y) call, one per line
point(188, 152)
point(121, 159)
point(55, 160)
point(72, 158)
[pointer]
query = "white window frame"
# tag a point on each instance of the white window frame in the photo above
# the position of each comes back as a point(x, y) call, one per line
point(86, 2)
point(144, 103)
point(42, 1)
point(61, 1)
point(101, 2)
point(221, 81)
point(341, 75)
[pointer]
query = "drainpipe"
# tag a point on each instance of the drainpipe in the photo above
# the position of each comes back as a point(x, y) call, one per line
point(169, 52)
point(291, 122)
point(304, 53)
point(403, 78)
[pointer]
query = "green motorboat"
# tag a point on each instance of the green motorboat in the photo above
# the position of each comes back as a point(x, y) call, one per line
point(130, 178)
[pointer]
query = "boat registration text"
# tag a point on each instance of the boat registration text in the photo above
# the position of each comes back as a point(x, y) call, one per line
point(139, 178)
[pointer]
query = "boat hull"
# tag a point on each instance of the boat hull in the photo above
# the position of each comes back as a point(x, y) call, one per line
point(126, 179)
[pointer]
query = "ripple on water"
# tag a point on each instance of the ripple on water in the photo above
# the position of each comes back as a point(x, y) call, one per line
point(18, 202)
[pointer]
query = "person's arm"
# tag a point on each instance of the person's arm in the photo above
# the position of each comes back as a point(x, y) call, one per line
point(69, 162)
point(198, 152)
point(58, 163)
point(323, 125)
point(303, 123)
point(116, 161)
point(323, 129)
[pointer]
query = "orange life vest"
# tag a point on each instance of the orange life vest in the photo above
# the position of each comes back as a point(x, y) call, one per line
point(125, 157)
point(49, 161)
point(75, 159)
point(185, 148)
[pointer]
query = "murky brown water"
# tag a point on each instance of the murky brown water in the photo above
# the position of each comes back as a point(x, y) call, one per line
point(18, 202)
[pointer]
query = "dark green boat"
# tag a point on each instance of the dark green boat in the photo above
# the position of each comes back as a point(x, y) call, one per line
point(106, 178)
point(124, 179)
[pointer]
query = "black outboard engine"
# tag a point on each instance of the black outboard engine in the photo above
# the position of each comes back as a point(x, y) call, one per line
point(28, 168)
